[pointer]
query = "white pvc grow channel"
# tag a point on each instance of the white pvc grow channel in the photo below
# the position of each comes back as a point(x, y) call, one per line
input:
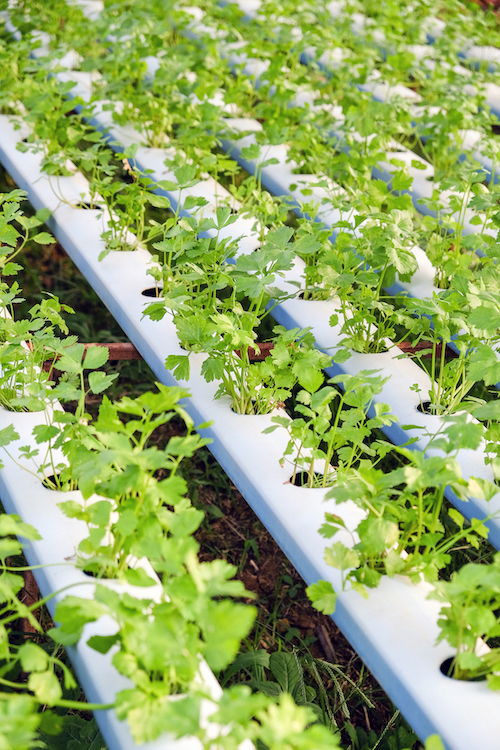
point(381, 90)
point(280, 178)
point(423, 177)
point(152, 159)
point(395, 630)
point(434, 28)
point(398, 392)
point(239, 418)
point(422, 186)
point(24, 494)
point(403, 373)
point(424, 54)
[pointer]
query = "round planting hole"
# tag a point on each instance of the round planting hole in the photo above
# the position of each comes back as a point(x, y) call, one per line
point(446, 668)
point(51, 483)
point(239, 413)
point(86, 206)
point(153, 291)
point(426, 407)
point(96, 575)
point(303, 479)
point(90, 573)
point(301, 294)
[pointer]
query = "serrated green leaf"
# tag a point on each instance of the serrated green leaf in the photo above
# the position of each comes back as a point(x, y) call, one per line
point(484, 366)
point(44, 238)
point(7, 435)
point(322, 596)
point(19, 719)
point(158, 201)
point(95, 357)
point(12, 524)
point(341, 557)
point(179, 364)
point(99, 381)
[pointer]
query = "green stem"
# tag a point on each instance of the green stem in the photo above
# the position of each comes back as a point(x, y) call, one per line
point(441, 374)
point(43, 601)
point(78, 705)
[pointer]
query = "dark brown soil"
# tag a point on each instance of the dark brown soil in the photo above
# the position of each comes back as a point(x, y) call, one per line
point(239, 537)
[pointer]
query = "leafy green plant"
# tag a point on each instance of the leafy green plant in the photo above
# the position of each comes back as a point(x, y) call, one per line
point(302, 676)
point(403, 532)
point(227, 327)
point(443, 319)
point(13, 242)
point(26, 354)
point(20, 702)
point(452, 251)
point(116, 459)
point(469, 613)
point(126, 204)
point(218, 308)
point(22, 348)
point(187, 263)
point(330, 435)
point(357, 271)
point(65, 427)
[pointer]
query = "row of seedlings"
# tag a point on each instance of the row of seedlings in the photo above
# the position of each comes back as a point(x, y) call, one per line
point(112, 549)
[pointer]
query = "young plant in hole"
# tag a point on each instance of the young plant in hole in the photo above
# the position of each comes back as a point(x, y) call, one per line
point(67, 428)
point(192, 266)
point(358, 268)
point(313, 246)
point(403, 531)
point(26, 352)
point(22, 699)
point(118, 460)
point(451, 248)
point(267, 209)
point(471, 602)
point(453, 317)
point(330, 435)
point(158, 645)
point(198, 133)
point(12, 241)
point(22, 342)
point(225, 328)
point(56, 128)
point(93, 157)
point(154, 115)
point(126, 204)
